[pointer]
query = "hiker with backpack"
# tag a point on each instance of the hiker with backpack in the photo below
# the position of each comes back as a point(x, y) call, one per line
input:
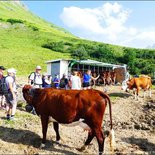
point(35, 78)
point(11, 95)
point(2, 97)
point(64, 82)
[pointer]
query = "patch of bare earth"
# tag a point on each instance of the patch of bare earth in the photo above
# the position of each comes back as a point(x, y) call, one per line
point(134, 127)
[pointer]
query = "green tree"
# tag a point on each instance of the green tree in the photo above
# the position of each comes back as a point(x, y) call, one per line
point(103, 53)
point(80, 53)
point(129, 58)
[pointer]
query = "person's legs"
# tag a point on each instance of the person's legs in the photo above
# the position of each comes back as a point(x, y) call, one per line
point(14, 106)
point(11, 106)
point(8, 111)
point(2, 101)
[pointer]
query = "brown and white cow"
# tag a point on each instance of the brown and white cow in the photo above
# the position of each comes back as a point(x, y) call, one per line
point(68, 106)
point(137, 83)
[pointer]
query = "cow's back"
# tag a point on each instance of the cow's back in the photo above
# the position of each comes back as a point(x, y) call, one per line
point(143, 82)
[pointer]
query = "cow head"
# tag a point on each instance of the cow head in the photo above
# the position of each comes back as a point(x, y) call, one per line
point(130, 83)
point(27, 93)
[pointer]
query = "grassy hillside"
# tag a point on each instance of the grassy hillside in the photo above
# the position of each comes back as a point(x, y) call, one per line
point(26, 40)
point(22, 35)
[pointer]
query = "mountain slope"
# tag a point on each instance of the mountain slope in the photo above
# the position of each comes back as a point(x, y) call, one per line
point(17, 10)
point(22, 35)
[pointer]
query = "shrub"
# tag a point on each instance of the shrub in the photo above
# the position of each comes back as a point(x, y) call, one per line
point(13, 21)
point(34, 28)
point(55, 46)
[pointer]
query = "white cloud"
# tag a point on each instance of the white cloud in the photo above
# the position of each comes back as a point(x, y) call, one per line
point(84, 19)
point(107, 24)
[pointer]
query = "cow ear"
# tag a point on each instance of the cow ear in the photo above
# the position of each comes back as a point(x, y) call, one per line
point(27, 87)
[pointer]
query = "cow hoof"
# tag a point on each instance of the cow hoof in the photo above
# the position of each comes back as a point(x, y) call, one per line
point(42, 145)
point(57, 142)
point(82, 148)
point(60, 141)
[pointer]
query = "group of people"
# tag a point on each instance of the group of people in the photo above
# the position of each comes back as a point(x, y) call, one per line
point(74, 81)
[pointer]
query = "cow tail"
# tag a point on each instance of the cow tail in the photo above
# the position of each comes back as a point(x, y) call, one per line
point(111, 133)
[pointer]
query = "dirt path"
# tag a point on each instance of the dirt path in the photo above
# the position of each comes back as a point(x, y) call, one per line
point(134, 126)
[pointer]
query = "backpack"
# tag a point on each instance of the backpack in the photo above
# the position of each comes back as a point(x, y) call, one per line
point(62, 83)
point(3, 86)
point(32, 81)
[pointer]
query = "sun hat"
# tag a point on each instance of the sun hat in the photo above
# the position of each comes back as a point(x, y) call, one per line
point(12, 70)
point(38, 67)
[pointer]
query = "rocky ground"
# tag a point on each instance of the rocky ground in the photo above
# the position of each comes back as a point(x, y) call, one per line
point(134, 126)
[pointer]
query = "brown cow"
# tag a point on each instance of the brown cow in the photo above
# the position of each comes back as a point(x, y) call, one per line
point(68, 106)
point(108, 79)
point(137, 83)
point(113, 77)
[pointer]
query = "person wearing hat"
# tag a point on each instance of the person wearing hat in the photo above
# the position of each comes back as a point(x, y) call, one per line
point(46, 80)
point(2, 97)
point(11, 97)
point(75, 81)
point(35, 78)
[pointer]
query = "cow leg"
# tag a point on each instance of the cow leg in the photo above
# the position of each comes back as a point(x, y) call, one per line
point(44, 121)
point(150, 92)
point(100, 140)
point(56, 128)
point(136, 97)
point(137, 93)
point(89, 139)
point(144, 94)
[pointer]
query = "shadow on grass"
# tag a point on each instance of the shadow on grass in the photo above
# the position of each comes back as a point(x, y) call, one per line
point(143, 143)
point(19, 136)
point(29, 138)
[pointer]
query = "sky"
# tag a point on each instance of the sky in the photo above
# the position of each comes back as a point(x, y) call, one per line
point(126, 23)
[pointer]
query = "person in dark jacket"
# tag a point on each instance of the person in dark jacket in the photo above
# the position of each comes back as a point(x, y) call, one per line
point(64, 82)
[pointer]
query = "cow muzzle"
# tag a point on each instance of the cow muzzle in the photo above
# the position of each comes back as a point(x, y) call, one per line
point(28, 108)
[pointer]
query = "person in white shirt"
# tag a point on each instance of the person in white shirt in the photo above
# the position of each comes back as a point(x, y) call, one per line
point(75, 81)
point(11, 97)
point(35, 78)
